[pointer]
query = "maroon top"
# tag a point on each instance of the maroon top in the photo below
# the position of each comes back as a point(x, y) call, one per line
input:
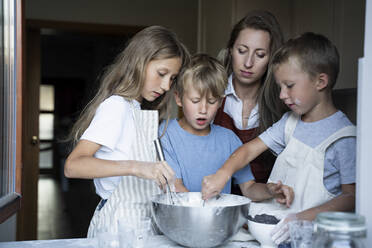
point(263, 164)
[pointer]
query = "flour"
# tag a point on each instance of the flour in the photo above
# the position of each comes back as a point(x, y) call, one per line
point(193, 199)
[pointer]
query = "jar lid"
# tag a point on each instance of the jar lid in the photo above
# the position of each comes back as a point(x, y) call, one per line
point(340, 221)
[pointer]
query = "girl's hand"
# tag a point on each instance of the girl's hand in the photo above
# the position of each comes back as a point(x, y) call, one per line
point(282, 193)
point(213, 184)
point(160, 172)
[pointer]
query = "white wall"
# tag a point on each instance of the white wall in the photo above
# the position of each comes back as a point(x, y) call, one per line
point(180, 15)
point(364, 141)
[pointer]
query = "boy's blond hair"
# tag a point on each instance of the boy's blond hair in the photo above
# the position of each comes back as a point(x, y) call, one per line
point(205, 74)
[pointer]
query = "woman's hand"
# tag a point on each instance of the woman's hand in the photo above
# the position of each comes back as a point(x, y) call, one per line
point(213, 184)
point(282, 193)
point(160, 172)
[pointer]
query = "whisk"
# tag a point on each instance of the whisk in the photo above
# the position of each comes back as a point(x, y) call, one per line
point(159, 151)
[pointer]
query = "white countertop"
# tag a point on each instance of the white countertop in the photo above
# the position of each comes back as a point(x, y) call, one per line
point(158, 241)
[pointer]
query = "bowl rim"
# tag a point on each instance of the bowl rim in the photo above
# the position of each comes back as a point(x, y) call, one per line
point(155, 201)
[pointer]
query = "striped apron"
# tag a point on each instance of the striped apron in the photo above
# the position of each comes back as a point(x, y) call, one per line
point(132, 195)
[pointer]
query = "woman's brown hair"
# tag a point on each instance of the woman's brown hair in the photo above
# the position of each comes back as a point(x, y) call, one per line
point(270, 106)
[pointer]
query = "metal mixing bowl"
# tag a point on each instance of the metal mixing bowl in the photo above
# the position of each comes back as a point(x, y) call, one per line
point(191, 224)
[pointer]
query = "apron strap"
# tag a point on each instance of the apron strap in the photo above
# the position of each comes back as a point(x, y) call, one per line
point(348, 131)
point(290, 126)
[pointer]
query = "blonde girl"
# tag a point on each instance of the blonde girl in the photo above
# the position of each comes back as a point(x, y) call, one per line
point(114, 134)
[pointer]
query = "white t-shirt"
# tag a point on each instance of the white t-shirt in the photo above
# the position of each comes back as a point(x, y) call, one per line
point(113, 128)
point(234, 107)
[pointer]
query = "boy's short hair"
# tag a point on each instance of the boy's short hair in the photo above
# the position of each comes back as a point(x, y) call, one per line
point(205, 73)
point(315, 53)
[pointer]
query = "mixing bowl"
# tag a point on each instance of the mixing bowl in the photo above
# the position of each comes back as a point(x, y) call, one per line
point(192, 223)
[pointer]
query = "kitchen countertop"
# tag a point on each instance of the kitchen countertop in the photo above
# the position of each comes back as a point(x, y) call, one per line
point(158, 241)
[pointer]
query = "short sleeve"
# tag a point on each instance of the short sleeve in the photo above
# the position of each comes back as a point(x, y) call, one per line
point(274, 137)
point(169, 153)
point(345, 159)
point(108, 122)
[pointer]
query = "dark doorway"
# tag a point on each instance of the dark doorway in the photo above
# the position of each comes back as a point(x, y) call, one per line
point(71, 64)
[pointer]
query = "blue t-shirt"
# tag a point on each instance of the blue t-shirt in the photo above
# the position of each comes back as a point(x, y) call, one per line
point(339, 163)
point(192, 157)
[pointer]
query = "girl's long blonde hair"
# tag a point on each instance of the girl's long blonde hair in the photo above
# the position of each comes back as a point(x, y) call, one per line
point(270, 106)
point(126, 75)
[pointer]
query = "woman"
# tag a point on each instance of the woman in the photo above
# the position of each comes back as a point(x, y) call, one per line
point(252, 103)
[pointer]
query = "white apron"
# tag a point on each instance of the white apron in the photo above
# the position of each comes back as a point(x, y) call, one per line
point(133, 194)
point(301, 167)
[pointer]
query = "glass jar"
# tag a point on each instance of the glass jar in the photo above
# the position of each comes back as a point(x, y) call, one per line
point(339, 230)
